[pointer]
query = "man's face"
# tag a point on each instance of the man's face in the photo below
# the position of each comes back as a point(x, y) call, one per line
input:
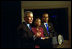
point(45, 18)
point(29, 18)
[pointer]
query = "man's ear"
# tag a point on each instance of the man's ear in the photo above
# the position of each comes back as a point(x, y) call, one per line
point(25, 18)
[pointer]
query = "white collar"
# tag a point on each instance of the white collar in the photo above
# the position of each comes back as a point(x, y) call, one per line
point(28, 25)
point(45, 23)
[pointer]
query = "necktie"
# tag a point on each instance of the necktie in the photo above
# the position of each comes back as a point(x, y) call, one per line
point(47, 28)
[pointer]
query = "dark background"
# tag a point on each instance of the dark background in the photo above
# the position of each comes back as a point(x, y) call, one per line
point(11, 18)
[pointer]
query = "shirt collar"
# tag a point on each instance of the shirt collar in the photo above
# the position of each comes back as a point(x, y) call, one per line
point(28, 25)
point(45, 23)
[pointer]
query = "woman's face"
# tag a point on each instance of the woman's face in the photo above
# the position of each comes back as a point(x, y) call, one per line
point(38, 22)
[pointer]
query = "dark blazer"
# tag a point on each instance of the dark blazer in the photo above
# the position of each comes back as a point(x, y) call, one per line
point(51, 29)
point(25, 36)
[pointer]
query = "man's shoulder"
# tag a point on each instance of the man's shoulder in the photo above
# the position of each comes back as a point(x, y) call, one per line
point(21, 25)
point(50, 23)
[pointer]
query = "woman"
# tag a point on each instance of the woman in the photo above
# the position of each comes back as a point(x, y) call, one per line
point(37, 30)
point(39, 34)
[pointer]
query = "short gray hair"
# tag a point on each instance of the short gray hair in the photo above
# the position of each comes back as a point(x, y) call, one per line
point(25, 14)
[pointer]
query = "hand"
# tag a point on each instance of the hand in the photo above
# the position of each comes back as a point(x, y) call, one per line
point(44, 38)
point(38, 34)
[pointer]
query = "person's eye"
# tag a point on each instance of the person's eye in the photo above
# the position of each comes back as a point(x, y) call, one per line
point(29, 18)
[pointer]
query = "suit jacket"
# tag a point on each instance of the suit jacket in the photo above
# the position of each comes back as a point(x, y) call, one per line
point(25, 35)
point(51, 29)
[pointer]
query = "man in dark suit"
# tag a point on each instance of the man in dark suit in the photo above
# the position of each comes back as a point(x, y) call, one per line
point(47, 26)
point(48, 30)
point(25, 33)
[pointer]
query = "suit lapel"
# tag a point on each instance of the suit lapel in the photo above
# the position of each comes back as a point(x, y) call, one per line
point(49, 26)
point(28, 30)
point(25, 27)
point(45, 30)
